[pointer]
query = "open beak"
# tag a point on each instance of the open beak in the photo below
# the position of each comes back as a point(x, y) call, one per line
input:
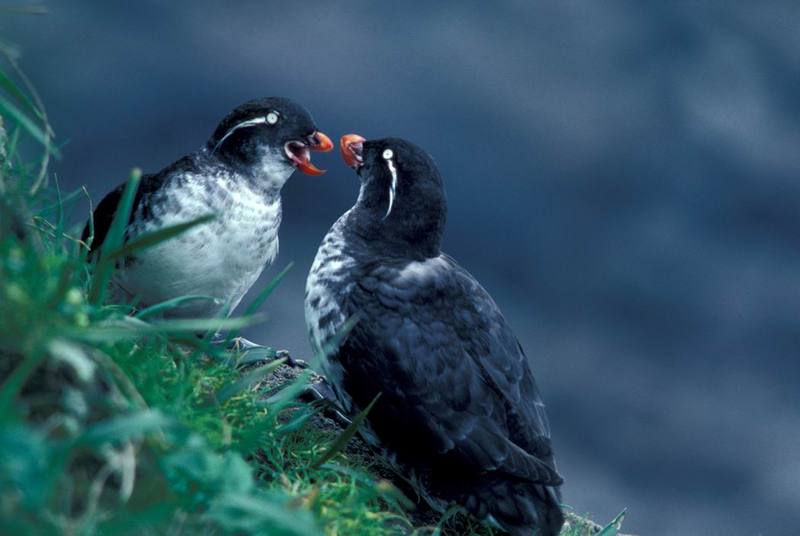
point(299, 152)
point(352, 147)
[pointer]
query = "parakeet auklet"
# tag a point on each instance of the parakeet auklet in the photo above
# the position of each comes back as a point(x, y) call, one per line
point(238, 175)
point(459, 410)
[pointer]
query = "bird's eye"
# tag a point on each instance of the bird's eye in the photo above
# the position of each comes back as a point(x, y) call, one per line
point(272, 118)
point(388, 154)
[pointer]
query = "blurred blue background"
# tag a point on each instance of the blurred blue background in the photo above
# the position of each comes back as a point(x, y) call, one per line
point(624, 178)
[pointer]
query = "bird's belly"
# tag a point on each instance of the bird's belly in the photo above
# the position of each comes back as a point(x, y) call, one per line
point(324, 315)
point(324, 319)
point(326, 290)
point(219, 261)
point(329, 282)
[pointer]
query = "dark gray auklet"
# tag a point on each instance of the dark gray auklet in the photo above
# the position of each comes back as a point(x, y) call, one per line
point(238, 175)
point(459, 411)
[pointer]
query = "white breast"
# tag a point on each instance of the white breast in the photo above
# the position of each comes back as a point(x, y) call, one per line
point(222, 258)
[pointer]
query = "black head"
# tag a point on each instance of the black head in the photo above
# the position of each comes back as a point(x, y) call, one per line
point(269, 136)
point(402, 203)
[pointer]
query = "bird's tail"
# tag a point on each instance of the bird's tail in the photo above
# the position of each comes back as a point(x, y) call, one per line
point(523, 509)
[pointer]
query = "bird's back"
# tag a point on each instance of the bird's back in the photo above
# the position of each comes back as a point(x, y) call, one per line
point(459, 403)
point(104, 213)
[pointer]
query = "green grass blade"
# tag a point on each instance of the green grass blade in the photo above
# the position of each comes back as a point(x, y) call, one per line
point(254, 515)
point(171, 304)
point(86, 246)
point(66, 200)
point(114, 239)
point(12, 88)
point(64, 282)
point(287, 395)
point(202, 324)
point(129, 327)
point(59, 206)
point(11, 111)
point(613, 528)
point(299, 419)
point(337, 339)
point(262, 297)
point(150, 239)
point(256, 355)
point(346, 435)
point(248, 380)
point(124, 427)
point(12, 385)
point(12, 143)
point(264, 294)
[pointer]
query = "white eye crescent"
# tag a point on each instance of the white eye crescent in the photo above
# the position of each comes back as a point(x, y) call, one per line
point(272, 118)
point(388, 154)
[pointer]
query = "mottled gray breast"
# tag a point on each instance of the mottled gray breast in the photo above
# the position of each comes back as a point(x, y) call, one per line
point(329, 283)
point(327, 286)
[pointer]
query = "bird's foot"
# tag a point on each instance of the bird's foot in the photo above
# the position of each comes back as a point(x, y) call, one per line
point(291, 361)
point(321, 392)
point(259, 355)
point(240, 344)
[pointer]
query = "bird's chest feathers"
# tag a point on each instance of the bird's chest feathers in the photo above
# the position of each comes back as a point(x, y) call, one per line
point(329, 284)
point(329, 281)
point(222, 255)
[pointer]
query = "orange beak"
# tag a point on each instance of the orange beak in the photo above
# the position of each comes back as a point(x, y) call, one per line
point(351, 147)
point(299, 152)
point(324, 143)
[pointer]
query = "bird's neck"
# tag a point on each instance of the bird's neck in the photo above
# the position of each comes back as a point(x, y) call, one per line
point(265, 174)
point(386, 238)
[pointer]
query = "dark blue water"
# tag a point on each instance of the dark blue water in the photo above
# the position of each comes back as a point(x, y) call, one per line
point(624, 178)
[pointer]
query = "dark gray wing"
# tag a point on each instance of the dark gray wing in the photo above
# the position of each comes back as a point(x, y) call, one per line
point(456, 386)
point(107, 208)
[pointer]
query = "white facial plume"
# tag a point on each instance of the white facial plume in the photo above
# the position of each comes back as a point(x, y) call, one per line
point(388, 154)
point(244, 124)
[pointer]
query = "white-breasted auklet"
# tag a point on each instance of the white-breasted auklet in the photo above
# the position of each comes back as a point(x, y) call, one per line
point(237, 175)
